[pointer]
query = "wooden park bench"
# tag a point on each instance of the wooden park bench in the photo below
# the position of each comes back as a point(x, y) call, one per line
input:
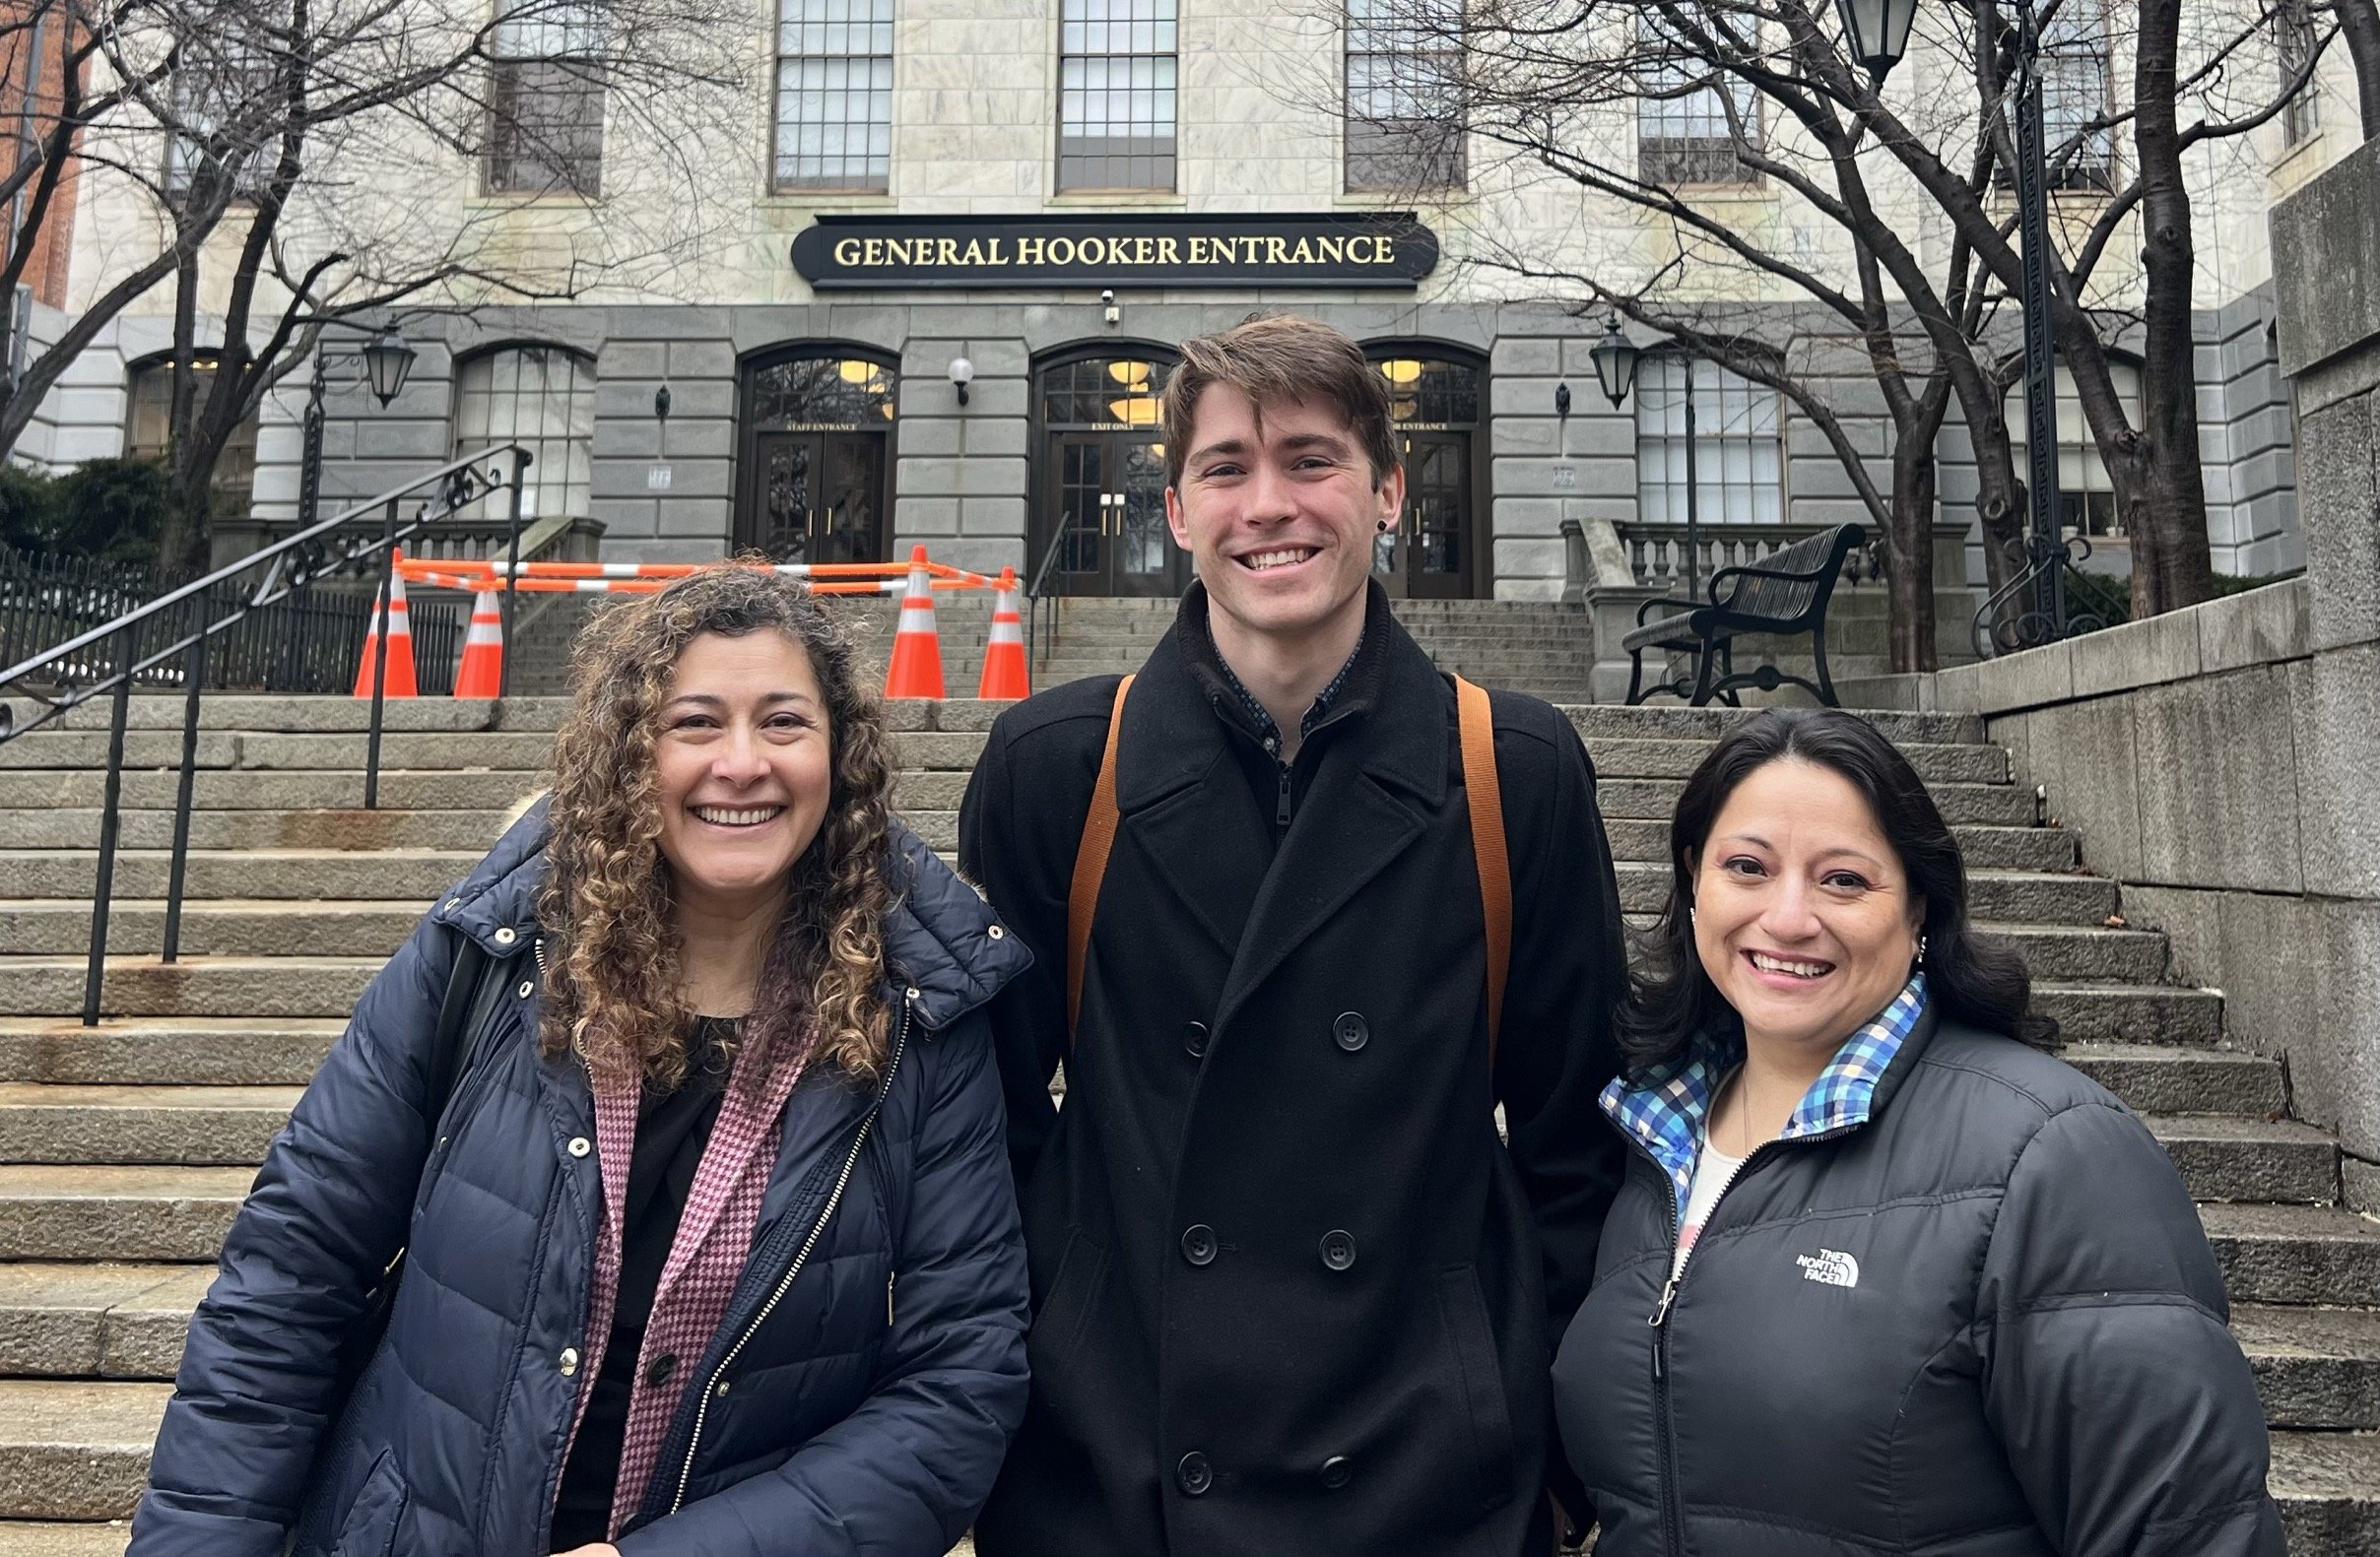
point(1785, 593)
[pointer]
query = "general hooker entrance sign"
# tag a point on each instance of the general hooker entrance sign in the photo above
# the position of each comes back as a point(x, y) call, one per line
point(1371, 249)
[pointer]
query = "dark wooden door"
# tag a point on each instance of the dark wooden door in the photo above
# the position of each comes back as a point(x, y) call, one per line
point(818, 498)
point(1107, 524)
point(1432, 552)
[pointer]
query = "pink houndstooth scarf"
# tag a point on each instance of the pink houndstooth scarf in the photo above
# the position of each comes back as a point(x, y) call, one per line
point(707, 1256)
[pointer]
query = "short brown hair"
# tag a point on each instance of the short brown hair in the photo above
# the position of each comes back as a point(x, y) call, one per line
point(1279, 359)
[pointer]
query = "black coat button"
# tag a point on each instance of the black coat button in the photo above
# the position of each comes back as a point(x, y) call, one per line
point(660, 1368)
point(1194, 1039)
point(1336, 1471)
point(1338, 1248)
point(1198, 1244)
point(1352, 1032)
point(1194, 1476)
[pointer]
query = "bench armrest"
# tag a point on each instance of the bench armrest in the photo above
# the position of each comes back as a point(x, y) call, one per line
point(1682, 604)
point(1727, 578)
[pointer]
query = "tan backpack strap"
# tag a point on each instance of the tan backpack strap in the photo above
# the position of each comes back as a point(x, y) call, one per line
point(1485, 797)
point(1091, 865)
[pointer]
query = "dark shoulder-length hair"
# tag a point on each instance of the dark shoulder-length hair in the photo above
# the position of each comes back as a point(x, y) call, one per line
point(1970, 978)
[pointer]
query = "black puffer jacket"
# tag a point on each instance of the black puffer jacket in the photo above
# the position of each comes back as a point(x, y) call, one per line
point(1983, 1324)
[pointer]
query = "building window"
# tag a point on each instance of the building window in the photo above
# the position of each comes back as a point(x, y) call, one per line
point(542, 397)
point(1405, 127)
point(1115, 95)
point(2077, 94)
point(810, 394)
point(1739, 447)
point(216, 93)
point(2087, 498)
point(2295, 43)
point(1683, 131)
point(545, 105)
point(149, 434)
point(835, 94)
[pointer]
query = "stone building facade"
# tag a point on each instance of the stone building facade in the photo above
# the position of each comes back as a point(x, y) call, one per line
point(822, 420)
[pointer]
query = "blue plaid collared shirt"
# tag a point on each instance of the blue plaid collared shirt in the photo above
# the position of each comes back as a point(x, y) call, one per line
point(1268, 730)
point(1665, 1111)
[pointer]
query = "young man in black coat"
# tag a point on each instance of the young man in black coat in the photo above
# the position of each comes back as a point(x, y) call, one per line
point(1292, 1295)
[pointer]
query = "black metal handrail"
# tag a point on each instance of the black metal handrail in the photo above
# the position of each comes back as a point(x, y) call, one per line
point(1035, 592)
point(1998, 629)
point(290, 565)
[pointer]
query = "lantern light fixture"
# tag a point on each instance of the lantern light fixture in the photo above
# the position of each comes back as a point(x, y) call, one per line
point(962, 373)
point(1614, 358)
point(1876, 33)
point(387, 359)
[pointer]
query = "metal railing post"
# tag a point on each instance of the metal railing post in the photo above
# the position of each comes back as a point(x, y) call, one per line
point(95, 972)
point(195, 671)
point(388, 571)
point(513, 532)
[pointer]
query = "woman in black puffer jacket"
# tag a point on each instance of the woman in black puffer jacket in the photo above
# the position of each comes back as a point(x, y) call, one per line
point(1885, 1277)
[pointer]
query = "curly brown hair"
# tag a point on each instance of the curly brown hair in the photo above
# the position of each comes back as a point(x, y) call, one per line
point(613, 990)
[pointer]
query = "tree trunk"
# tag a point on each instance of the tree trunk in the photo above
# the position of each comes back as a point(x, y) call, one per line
point(1910, 549)
point(2359, 29)
point(182, 536)
point(2173, 563)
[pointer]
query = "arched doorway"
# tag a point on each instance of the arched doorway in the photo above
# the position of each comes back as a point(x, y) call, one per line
point(1098, 511)
point(1439, 548)
point(813, 475)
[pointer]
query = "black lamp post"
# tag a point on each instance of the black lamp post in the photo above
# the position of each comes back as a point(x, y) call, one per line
point(1615, 357)
point(1878, 33)
point(385, 360)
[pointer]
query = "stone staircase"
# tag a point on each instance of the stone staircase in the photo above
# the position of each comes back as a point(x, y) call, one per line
point(124, 1151)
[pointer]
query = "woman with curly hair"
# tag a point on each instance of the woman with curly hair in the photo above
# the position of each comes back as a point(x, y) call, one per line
point(655, 1200)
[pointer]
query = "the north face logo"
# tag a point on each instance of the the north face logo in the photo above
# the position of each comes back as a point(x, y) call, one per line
point(1830, 1266)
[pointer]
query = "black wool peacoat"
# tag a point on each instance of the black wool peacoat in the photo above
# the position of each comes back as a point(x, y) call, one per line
point(1291, 1292)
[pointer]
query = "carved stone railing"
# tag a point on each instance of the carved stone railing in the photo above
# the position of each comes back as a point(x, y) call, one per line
point(1657, 552)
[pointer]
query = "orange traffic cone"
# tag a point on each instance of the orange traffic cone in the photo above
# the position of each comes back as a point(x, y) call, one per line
point(481, 672)
point(916, 670)
point(401, 682)
point(1005, 674)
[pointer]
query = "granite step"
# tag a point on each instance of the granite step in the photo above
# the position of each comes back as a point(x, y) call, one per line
point(105, 1320)
point(220, 927)
point(75, 1450)
point(345, 830)
point(117, 1212)
point(2296, 1255)
point(2316, 1366)
point(2154, 1080)
point(2226, 1157)
point(129, 1125)
point(56, 1538)
point(166, 1051)
point(1961, 804)
point(289, 986)
point(2023, 896)
point(399, 790)
point(414, 875)
point(2048, 850)
point(2145, 1013)
point(2328, 1486)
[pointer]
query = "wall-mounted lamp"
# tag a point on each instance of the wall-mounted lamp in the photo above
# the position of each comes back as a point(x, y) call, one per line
point(661, 404)
point(1561, 400)
point(962, 373)
point(1114, 314)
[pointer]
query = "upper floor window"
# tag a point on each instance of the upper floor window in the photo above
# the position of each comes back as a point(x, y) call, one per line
point(149, 432)
point(2077, 95)
point(1115, 95)
point(220, 93)
point(1405, 127)
point(539, 396)
point(2295, 43)
point(545, 102)
point(1686, 133)
point(835, 94)
point(1738, 447)
point(2087, 497)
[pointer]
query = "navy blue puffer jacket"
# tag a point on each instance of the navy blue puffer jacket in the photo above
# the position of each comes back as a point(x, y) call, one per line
point(862, 1406)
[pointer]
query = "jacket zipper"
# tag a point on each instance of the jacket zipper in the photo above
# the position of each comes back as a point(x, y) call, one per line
point(834, 1198)
point(1673, 1514)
